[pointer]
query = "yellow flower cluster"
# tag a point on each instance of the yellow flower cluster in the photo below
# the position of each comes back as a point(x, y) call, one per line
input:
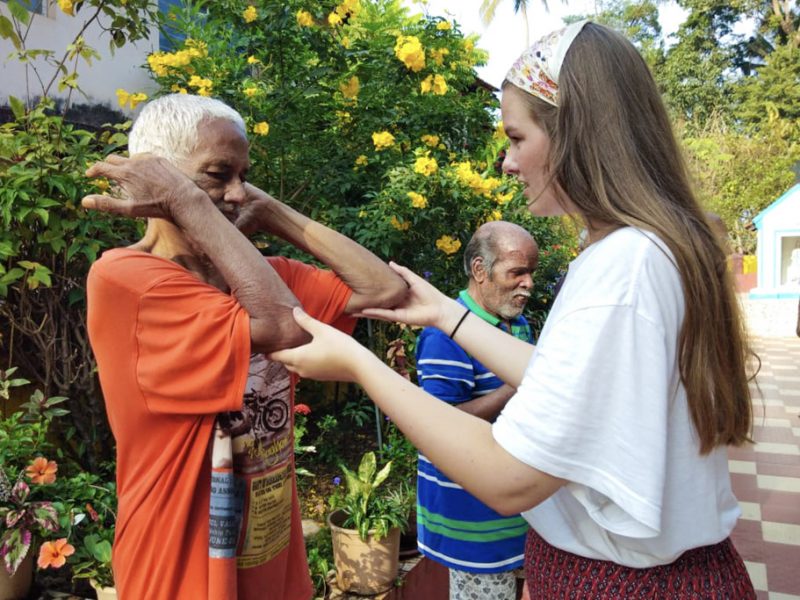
point(425, 165)
point(202, 85)
point(398, 225)
point(176, 88)
point(499, 131)
point(250, 14)
point(304, 18)
point(467, 176)
point(261, 128)
point(351, 88)
point(437, 55)
point(251, 91)
point(361, 160)
point(382, 140)
point(495, 215)
point(418, 200)
point(347, 7)
point(435, 84)
point(503, 198)
point(161, 62)
point(124, 98)
point(430, 140)
point(448, 245)
point(67, 6)
point(409, 51)
point(444, 26)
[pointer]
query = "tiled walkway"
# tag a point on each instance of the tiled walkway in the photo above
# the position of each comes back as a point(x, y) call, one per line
point(766, 476)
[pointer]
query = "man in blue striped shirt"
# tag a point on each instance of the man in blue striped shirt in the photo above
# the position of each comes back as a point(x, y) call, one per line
point(479, 546)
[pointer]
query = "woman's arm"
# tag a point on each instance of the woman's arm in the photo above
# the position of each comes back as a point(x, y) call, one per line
point(459, 444)
point(424, 305)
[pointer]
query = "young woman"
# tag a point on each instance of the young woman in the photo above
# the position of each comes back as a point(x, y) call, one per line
point(614, 447)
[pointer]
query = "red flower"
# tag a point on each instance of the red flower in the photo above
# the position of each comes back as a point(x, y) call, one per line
point(92, 512)
point(54, 554)
point(42, 471)
point(302, 409)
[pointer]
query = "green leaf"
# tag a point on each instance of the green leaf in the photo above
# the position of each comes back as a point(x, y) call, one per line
point(18, 12)
point(17, 107)
point(366, 470)
point(382, 475)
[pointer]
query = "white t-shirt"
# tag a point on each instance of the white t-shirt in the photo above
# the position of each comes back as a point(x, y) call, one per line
point(601, 405)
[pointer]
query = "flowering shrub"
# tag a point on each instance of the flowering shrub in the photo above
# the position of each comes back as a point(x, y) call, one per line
point(54, 504)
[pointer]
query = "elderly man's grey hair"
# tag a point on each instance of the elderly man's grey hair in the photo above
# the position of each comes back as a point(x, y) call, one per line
point(167, 126)
point(484, 243)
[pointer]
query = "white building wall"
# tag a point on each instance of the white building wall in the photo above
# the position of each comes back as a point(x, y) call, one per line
point(55, 30)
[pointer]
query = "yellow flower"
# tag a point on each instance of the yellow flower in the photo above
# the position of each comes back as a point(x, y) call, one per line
point(495, 215)
point(304, 18)
point(251, 91)
point(350, 88)
point(132, 100)
point(202, 85)
point(343, 116)
point(176, 88)
point(435, 84)
point(382, 140)
point(362, 214)
point(250, 14)
point(503, 198)
point(346, 42)
point(261, 128)
point(334, 19)
point(398, 225)
point(426, 166)
point(430, 140)
point(101, 184)
point(418, 200)
point(437, 55)
point(67, 7)
point(499, 131)
point(409, 51)
point(361, 160)
point(444, 26)
point(252, 60)
point(448, 245)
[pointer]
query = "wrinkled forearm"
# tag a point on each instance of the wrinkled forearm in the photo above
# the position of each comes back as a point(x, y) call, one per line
point(253, 282)
point(373, 283)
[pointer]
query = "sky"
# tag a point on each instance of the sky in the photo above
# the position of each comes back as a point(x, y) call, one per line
point(504, 38)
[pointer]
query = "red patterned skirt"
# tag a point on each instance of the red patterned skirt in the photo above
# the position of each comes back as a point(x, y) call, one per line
point(711, 572)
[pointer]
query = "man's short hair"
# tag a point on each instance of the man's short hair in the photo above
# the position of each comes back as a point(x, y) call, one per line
point(167, 126)
point(482, 244)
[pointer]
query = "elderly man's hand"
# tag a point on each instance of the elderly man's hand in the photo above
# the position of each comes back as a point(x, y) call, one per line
point(150, 186)
point(253, 211)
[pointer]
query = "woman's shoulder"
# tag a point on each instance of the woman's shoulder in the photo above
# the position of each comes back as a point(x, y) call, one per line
point(625, 267)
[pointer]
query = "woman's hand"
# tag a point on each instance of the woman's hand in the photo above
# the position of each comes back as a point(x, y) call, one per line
point(424, 305)
point(330, 356)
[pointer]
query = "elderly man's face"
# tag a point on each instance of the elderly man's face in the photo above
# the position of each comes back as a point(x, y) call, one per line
point(506, 291)
point(219, 164)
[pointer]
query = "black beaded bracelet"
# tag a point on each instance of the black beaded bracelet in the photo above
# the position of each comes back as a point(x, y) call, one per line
point(460, 321)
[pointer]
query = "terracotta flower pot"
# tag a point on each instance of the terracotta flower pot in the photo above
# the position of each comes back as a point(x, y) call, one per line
point(17, 586)
point(363, 567)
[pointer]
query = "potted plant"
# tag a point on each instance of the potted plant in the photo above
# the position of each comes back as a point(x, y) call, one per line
point(365, 525)
point(28, 514)
point(93, 561)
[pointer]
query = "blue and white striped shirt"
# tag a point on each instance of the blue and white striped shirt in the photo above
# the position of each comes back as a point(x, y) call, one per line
point(453, 527)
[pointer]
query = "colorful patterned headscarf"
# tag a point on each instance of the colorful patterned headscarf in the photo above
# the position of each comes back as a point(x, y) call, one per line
point(537, 70)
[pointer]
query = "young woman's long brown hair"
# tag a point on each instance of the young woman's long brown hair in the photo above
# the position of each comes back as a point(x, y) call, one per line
point(613, 152)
